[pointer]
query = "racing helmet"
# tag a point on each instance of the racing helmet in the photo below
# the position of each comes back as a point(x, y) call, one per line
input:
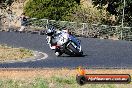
point(50, 31)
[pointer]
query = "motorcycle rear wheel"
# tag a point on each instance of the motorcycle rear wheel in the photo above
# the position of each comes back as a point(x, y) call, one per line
point(75, 51)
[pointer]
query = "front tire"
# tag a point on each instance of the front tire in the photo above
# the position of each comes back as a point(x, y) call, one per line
point(58, 52)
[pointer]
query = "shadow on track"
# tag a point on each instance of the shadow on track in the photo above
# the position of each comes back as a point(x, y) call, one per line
point(73, 56)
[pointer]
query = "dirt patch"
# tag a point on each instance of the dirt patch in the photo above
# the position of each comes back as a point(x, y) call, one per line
point(10, 53)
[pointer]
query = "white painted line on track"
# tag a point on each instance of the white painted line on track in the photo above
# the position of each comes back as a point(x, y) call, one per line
point(36, 56)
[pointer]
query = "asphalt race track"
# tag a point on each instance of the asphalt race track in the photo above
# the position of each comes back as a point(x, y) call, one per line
point(97, 53)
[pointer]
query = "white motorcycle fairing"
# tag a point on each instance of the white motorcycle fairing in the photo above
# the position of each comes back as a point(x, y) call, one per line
point(62, 38)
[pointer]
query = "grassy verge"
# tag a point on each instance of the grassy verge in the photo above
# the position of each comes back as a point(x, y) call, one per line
point(53, 78)
point(53, 82)
point(10, 53)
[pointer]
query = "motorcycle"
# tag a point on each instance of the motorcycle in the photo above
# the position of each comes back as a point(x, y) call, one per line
point(64, 42)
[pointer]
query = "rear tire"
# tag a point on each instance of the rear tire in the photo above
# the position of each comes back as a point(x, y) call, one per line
point(75, 51)
point(81, 53)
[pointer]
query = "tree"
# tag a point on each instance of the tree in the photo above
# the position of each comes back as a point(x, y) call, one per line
point(8, 2)
point(87, 15)
point(50, 9)
point(115, 7)
point(78, 1)
point(5, 3)
point(2, 1)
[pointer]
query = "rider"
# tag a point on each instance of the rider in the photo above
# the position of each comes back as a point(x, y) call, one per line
point(52, 41)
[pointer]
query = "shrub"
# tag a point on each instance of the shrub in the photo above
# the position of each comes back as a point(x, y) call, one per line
point(50, 9)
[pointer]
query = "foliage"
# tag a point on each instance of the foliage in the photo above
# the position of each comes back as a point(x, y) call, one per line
point(7, 2)
point(87, 15)
point(68, 10)
point(115, 7)
point(50, 9)
point(78, 1)
point(2, 1)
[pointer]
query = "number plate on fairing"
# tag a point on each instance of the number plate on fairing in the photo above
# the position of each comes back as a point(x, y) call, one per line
point(63, 38)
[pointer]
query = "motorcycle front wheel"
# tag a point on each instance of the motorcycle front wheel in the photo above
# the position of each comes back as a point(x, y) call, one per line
point(58, 52)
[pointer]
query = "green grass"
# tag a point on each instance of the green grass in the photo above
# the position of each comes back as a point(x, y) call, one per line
point(36, 83)
point(70, 82)
point(40, 83)
point(64, 80)
point(54, 82)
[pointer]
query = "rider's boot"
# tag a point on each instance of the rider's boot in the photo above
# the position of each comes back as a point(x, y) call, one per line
point(52, 47)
